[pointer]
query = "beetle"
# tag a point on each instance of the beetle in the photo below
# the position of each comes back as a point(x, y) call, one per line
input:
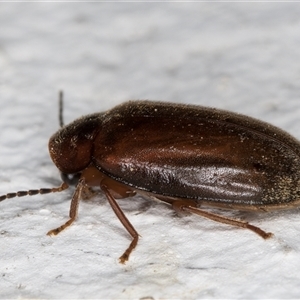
point(184, 155)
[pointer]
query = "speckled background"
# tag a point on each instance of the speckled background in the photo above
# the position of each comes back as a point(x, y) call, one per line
point(242, 57)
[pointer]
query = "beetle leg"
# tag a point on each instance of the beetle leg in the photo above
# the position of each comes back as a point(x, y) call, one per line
point(126, 223)
point(81, 186)
point(225, 220)
point(179, 205)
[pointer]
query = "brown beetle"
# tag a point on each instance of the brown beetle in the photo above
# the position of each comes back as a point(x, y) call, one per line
point(184, 155)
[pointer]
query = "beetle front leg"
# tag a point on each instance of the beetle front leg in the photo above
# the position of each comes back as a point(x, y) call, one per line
point(81, 186)
point(119, 213)
point(191, 207)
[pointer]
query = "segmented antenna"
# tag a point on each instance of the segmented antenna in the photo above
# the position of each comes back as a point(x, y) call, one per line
point(60, 114)
point(62, 187)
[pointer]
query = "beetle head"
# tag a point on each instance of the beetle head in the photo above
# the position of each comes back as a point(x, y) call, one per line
point(71, 147)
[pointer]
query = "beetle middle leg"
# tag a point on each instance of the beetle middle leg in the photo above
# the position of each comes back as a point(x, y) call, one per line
point(126, 223)
point(190, 206)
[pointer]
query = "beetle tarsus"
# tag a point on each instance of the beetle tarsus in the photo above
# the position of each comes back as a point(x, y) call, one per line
point(56, 231)
point(260, 232)
point(125, 256)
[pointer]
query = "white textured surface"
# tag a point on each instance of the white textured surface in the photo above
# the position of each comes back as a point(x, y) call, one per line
point(242, 57)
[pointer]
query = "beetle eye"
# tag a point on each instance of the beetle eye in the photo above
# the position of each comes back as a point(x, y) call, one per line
point(70, 179)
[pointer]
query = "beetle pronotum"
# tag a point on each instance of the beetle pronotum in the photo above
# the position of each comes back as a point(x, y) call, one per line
point(183, 155)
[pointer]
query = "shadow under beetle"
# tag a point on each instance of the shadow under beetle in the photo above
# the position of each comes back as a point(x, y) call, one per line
point(183, 155)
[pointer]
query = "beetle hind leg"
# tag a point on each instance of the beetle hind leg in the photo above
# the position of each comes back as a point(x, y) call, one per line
point(190, 206)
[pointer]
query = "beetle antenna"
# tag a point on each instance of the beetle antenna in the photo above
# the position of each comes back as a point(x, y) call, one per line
point(62, 187)
point(60, 114)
